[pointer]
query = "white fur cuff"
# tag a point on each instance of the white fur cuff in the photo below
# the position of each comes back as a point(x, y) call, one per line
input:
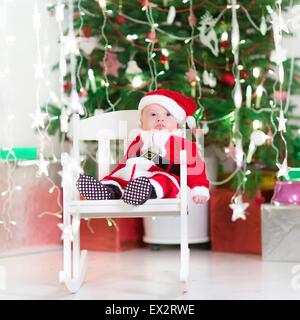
point(201, 191)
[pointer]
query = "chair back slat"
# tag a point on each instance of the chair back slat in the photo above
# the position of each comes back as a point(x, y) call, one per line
point(121, 126)
point(110, 125)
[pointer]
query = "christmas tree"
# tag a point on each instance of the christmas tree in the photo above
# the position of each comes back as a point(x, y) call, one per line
point(123, 49)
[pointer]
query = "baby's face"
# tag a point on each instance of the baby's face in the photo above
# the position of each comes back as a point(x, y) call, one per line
point(154, 116)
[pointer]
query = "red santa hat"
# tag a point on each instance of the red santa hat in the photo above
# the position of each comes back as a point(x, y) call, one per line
point(180, 106)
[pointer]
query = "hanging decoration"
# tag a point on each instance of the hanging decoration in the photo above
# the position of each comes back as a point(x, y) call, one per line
point(192, 20)
point(283, 169)
point(152, 37)
point(164, 58)
point(227, 78)
point(263, 26)
point(257, 138)
point(208, 35)
point(238, 207)
point(171, 15)
point(279, 56)
point(209, 79)
point(237, 204)
point(111, 64)
point(282, 122)
point(133, 68)
point(121, 19)
point(88, 44)
point(192, 78)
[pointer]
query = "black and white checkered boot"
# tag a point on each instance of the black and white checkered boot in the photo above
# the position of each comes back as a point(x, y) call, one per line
point(93, 189)
point(138, 191)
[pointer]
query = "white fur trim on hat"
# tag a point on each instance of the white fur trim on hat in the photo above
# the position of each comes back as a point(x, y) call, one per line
point(200, 191)
point(172, 106)
point(191, 122)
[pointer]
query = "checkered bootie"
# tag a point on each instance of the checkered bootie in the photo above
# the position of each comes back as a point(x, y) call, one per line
point(93, 189)
point(138, 191)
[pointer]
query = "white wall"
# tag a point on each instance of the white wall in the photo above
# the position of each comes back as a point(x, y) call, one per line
point(18, 53)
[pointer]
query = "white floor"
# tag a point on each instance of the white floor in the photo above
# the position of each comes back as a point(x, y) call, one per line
point(144, 274)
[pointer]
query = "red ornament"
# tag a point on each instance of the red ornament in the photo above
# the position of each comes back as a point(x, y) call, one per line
point(151, 36)
point(280, 96)
point(86, 31)
point(244, 74)
point(145, 3)
point(67, 86)
point(225, 44)
point(191, 75)
point(83, 92)
point(121, 19)
point(227, 78)
point(164, 59)
point(192, 20)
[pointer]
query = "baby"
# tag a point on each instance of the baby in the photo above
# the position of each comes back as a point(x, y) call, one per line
point(150, 168)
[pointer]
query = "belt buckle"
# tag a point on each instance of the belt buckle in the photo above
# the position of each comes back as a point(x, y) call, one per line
point(149, 155)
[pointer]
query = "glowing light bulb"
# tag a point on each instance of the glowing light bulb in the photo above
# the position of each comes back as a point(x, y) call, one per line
point(137, 81)
point(92, 80)
point(165, 52)
point(51, 190)
point(256, 72)
point(224, 36)
point(102, 3)
point(259, 92)
point(256, 124)
point(248, 96)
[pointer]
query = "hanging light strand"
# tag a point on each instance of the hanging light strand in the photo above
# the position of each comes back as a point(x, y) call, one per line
point(150, 47)
point(106, 48)
point(191, 48)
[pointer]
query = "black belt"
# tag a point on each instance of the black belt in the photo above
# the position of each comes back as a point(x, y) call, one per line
point(161, 162)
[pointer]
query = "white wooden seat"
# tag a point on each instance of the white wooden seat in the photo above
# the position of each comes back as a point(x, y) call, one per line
point(123, 126)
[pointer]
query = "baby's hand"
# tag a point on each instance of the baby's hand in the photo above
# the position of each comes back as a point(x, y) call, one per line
point(200, 199)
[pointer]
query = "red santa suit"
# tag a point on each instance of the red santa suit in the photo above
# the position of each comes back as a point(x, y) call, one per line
point(156, 155)
point(152, 161)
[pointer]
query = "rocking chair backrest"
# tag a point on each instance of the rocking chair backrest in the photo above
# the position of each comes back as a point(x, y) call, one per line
point(105, 127)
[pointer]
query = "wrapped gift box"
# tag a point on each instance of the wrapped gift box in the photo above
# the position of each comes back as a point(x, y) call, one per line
point(280, 233)
point(111, 235)
point(241, 236)
point(32, 208)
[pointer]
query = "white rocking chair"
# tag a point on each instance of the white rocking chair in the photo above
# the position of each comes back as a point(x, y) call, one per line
point(119, 125)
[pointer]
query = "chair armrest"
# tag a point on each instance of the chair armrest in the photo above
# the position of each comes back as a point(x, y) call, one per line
point(69, 177)
point(183, 175)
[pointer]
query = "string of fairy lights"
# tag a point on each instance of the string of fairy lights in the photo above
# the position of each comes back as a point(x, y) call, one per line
point(39, 118)
point(8, 187)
